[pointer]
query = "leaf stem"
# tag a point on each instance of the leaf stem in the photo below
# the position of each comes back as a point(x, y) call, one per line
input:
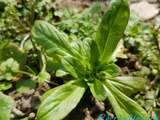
point(24, 40)
point(26, 73)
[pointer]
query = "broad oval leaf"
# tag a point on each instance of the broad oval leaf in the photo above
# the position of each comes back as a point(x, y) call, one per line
point(58, 102)
point(123, 106)
point(128, 85)
point(50, 38)
point(111, 28)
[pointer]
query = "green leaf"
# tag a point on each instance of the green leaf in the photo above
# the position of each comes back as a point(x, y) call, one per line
point(111, 28)
point(123, 106)
point(111, 69)
point(42, 76)
point(25, 85)
point(94, 53)
point(82, 47)
point(61, 73)
point(6, 104)
point(68, 64)
point(8, 69)
point(75, 67)
point(11, 50)
point(53, 64)
point(5, 85)
point(58, 102)
point(98, 90)
point(51, 39)
point(128, 85)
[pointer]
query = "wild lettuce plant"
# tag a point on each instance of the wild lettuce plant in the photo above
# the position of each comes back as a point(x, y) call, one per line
point(90, 63)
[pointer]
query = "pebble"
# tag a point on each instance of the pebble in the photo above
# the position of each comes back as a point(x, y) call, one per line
point(12, 116)
point(17, 112)
point(100, 106)
point(26, 104)
point(145, 10)
point(31, 115)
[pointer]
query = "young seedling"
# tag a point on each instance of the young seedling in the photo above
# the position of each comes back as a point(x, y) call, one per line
point(90, 62)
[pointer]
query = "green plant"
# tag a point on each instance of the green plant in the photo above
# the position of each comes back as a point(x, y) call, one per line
point(90, 62)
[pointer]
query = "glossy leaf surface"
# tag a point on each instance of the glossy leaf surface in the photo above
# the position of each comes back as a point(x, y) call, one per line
point(123, 106)
point(98, 90)
point(50, 38)
point(128, 85)
point(58, 102)
point(111, 28)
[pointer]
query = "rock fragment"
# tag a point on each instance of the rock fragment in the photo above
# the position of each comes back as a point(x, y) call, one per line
point(145, 10)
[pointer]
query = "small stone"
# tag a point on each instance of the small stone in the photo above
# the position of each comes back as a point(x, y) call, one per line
point(100, 106)
point(12, 116)
point(31, 115)
point(26, 104)
point(17, 112)
point(145, 10)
